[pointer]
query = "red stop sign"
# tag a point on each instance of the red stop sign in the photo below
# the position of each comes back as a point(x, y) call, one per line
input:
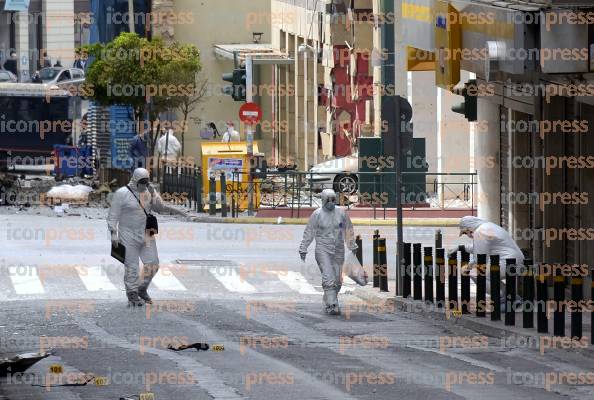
point(250, 113)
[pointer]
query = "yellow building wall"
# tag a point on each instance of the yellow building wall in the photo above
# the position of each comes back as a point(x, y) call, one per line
point(222, 22)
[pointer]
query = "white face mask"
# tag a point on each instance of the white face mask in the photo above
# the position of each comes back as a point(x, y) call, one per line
point(142, 187)
point(330, 204)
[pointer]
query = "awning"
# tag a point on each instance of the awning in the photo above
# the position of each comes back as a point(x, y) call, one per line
point(261, 53)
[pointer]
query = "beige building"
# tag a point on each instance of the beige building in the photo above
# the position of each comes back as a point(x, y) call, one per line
point(313, 88)
point(219, 23)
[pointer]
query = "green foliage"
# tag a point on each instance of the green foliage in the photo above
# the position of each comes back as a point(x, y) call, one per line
point(132, 70)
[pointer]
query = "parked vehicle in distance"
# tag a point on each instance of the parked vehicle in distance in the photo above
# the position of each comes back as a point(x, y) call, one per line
point(7, 76)
point(339, 174)
point(55, 76)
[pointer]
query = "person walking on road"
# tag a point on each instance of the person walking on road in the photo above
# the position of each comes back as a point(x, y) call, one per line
point(330, 226)
point(130, 209)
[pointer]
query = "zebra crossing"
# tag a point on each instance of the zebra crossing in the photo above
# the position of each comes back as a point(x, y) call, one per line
point(103, 282)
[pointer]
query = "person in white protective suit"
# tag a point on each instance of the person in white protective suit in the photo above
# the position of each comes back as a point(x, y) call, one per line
point(168, 146)
point(127, 224)
point(490, 239)
point(330, 226)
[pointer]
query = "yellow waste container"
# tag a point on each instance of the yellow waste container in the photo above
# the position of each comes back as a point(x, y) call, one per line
point(228, 157)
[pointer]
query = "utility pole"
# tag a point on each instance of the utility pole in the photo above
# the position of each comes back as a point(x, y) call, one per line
point(389, 82)
point(131, 16)
point(249, 95)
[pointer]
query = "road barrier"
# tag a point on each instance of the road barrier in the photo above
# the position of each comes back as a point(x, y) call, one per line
point(420, 273)
point(528, 295)
point(406, 280)
point(481, 285)
point(465, 282)
point(439, 277)
point(428, 268)
point(558, 296)
point(542, 323)
point(382, 257)
point(510, 291)
point(212, 196)
point(495, 287)
point(376, 272)
point(453, 280)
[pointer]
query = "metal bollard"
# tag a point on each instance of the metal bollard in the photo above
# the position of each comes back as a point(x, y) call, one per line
point(542, 322)
point(212, 196)
point(510, 291)
point(559, 297)
point(223, 195)
point(592, 313)
point(577, 296)
point(383, 278)
point(465, 281)
point(481, 285)
point(440, 277)
point(359, 243)
point(453, 281)
point(528, 294)
point(407, 268)
point(438, 239)
point(233, 211)
point(375, 259)
point(495, 277)
point(428, 264)
point(417, 277)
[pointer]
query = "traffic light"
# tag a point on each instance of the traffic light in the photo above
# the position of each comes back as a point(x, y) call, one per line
point(391, 119)
point(238, 88)
point(468, 107)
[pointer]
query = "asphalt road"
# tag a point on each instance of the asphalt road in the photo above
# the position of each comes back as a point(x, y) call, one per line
point(242, 287)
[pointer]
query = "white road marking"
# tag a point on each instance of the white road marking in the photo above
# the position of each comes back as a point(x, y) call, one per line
point(94, 279)
point(165, 280)
point(232, 281)
point(296, 282)
point(25, 280)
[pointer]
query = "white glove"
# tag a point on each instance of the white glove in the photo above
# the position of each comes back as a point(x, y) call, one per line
point(151, 189)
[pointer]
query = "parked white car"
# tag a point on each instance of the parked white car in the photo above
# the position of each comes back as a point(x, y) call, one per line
point(339, 174)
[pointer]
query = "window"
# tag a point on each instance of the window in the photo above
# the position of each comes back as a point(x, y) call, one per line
point(65, 76)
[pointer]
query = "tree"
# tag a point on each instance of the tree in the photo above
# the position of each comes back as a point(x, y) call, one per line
point(147, 75)
point(188, 105)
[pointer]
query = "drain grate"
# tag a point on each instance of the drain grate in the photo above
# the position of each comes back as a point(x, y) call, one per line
point(208, 263)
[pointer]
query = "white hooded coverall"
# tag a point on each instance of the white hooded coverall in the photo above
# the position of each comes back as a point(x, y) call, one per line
point(127, 220)
point(330, 229)
point(491, 239)
point(168, 148)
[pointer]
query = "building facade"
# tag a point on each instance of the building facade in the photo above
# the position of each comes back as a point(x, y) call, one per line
point(53, 27)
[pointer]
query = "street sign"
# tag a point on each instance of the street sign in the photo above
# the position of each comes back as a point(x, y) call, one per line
point(250, 113)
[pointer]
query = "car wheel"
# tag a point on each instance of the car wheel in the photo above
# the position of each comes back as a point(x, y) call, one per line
point(348, 184)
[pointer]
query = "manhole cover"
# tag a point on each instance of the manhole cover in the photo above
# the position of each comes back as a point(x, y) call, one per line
point(208, 263)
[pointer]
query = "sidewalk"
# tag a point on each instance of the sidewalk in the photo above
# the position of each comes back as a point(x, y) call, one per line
point(484, 326)
point(215, 219)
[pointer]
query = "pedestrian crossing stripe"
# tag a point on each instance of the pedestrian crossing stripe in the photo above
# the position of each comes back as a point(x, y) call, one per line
point(30, 283)
point(27, 283)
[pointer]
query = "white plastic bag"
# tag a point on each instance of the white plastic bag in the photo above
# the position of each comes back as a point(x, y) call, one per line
point(354, 270)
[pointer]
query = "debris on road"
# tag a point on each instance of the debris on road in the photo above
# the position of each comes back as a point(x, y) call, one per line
point(21, 362)
point(197, 346)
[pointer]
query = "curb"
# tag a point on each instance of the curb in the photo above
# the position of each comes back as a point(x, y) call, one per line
point(481, 325)
point(437, 222)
